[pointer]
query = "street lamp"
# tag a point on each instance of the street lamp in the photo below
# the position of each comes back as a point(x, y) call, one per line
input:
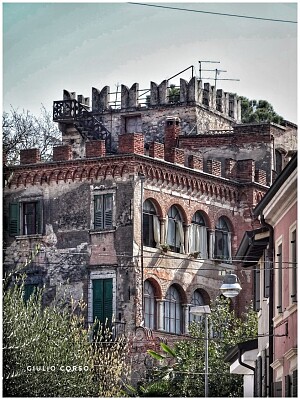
point(230, 288)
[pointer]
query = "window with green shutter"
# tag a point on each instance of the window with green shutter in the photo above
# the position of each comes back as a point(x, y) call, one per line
point(103, 300)
point(103, 211)
point(25, 218)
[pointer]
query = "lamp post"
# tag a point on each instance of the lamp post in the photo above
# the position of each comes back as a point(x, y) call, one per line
point(204, 310)
point(230, 288)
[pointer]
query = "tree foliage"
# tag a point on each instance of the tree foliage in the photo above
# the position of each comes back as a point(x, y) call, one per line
point(48, 352)
point(258, 111)
point(23, 130)
point(180, 371)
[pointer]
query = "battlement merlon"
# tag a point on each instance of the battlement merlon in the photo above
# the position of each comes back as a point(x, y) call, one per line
point(189, 93)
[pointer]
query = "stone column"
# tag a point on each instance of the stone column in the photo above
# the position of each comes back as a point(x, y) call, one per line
point(160, 314)
point(186, 317)
point(211, 244)
point(162, 231)
point(186, 238)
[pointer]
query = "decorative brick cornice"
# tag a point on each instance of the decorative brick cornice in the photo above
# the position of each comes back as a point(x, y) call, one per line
point(119, 166)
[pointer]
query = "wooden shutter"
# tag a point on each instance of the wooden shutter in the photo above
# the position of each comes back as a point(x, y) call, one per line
point(98, 212)
point(14, 219)
point(102, 299)
point(256, 288)
point(287, 386)
point(264, 373)
point(259, 376)
point(267, 272)
point(277, 389)
point(108, 210)
point(294, 384)
point(39, 210)
point(108, 300)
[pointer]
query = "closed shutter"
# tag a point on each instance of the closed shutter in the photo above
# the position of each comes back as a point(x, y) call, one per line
point(102, 300)
point(266, 276)
point(287, 385)
point(98, 214)
point(108, 210)
point(294, 384)
point(255, 380)
point(14, 219)
point(259, 376)
point(39, 210)
point(264, 373)
point(277, 389)
point(256, 288)
point(107, 301)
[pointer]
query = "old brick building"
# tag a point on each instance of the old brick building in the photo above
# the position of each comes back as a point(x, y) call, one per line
point(144, 205)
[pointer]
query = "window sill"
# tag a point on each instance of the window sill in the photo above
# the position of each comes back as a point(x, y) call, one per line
point(97, 231)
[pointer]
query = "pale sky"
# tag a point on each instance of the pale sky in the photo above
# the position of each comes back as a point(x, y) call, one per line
point(48, 47)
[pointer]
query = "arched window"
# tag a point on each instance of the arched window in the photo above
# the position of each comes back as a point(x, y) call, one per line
point(198, 236)
point(174, 229)
point(173, 311)
point(151, 226)
point(149, 305)
point(197, 300)
point(222, 240)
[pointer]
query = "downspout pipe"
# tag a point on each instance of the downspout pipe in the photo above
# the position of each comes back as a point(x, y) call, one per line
point(241, 352)
point(271, 300)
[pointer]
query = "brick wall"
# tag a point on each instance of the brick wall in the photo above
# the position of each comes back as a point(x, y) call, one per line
point(156, 150)
point(62, 153)
point(131, 143)
point(30, 156)
point(95, 148)
point(214, 167)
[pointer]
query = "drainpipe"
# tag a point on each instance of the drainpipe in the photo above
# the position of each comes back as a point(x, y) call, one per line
point(142, 177)
point(241, 352)
point(271, 300)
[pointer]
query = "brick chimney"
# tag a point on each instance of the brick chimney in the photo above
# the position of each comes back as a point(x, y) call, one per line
point(95, 148)
point(261, 176)
point(195, 162)
point(157, 150)
point(30, 156)
point(214, 167)
point(246, 170)
point(62, 153)
point(131, 143)
point(172, 132)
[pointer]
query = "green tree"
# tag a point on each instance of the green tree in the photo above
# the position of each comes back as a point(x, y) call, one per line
point(22, 130)
point(180, 371)
point(47, 351)
point(258, 111)
point(174, 94)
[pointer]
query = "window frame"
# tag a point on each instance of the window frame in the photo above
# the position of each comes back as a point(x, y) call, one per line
point(173, 312)
point(17, 224)
point(148, 229)
point(149, 299)
point(172, 221)
point(224, 234)
point(279, 277)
